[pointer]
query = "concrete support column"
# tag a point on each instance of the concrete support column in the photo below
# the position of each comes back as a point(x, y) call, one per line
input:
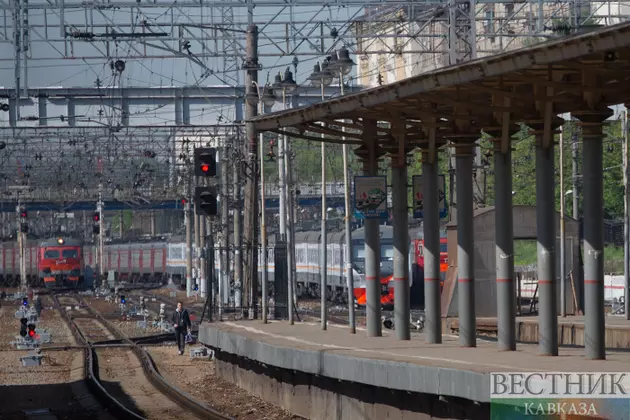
point(153, 230)
point(546, 232)
point(372, 268)
point(594, 328)
point(369, 153)
point(504, 237)
point(401, 248)
point(465, 245)
point(432, 292)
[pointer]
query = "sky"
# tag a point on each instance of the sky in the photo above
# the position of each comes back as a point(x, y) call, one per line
point(53, 62)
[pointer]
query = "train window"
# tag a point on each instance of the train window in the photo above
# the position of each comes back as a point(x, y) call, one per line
point(384, 289)
point(387, 252)
point(443, 248)
point(69, 253)
point(51, 253)
point(358, 253)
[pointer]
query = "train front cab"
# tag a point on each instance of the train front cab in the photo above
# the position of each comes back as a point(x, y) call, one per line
point(60, 264)
point(417, 269)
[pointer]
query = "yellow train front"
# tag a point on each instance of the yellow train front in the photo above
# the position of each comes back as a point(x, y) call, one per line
point(60, 263)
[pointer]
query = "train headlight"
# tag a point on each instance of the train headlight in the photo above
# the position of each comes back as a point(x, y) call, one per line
point(60, 241)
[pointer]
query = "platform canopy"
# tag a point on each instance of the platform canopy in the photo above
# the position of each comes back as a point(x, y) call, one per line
point(581, 74)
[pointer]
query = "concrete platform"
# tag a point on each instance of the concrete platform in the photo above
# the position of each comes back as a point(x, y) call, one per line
point(570, 330)
point(444, 370)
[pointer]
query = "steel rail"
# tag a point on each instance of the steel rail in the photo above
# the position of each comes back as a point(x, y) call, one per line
point(91, 368)
point(178, 396)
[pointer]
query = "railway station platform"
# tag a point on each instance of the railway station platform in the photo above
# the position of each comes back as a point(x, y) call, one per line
point(337, 375)
point(570, 330)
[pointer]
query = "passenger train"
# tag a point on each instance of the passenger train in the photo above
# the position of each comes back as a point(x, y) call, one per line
point(56, 263)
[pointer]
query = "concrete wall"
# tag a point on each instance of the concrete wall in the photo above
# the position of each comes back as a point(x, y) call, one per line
point(327, 384)
point(485, 261)
point(321, 398)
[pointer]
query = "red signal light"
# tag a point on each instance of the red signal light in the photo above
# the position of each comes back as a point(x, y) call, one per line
point(23, 215)
point(205, 167)
point(31, 333)
point(184, 201)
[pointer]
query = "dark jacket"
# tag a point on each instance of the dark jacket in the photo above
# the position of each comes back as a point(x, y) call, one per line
point(182, 320)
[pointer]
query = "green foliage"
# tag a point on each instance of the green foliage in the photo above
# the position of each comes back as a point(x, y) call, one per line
point(307, 166)
point(524, 169)
point(127, 220)
point(525, 253)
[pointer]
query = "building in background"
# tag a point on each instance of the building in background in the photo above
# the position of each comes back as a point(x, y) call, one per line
point(416, 39)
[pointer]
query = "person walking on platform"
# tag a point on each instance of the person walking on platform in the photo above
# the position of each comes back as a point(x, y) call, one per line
point(182, 325)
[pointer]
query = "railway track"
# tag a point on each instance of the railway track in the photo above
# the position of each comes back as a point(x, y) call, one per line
point(120, 355)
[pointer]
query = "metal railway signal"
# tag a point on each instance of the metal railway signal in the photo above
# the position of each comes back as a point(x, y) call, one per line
point(23, 331)
point(31, 330)
point(96, 218)
point(23, 220)
point(206, 201)
point(206, 162)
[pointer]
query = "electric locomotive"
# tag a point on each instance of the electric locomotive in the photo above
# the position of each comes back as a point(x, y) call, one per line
point(60, 263)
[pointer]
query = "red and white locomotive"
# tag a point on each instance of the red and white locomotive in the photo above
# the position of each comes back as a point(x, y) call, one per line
point(60, 263)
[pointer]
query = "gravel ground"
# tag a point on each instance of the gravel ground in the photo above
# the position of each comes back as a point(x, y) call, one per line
point(55, 368)
point(128, 327)
point(131, 329)
point(101, 305)
point(93, 329)
point(49, 320)
point(197, 377)
point(180, 295)
point(121, 374)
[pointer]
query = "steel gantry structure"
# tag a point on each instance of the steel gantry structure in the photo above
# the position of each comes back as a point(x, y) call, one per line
point(62, 146)
point(208, 42)
point(583, 75)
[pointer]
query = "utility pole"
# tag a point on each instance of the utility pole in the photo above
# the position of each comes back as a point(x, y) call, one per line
point(574, 175)
point(17, 31)
point(188, 222)
point(225, 232)
point(238, 239)
point(101, 233)
point(197, 240)
point(251, 66)
point(202, 273)
point(290, 206)
point(20, 237)
point(626, 222)
point(563, 305)
point(479, 181)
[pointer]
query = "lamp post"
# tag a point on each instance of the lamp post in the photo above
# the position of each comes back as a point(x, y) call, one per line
point(342, 63)
point(267, 99)
point(322, 77)
point(286, 85)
